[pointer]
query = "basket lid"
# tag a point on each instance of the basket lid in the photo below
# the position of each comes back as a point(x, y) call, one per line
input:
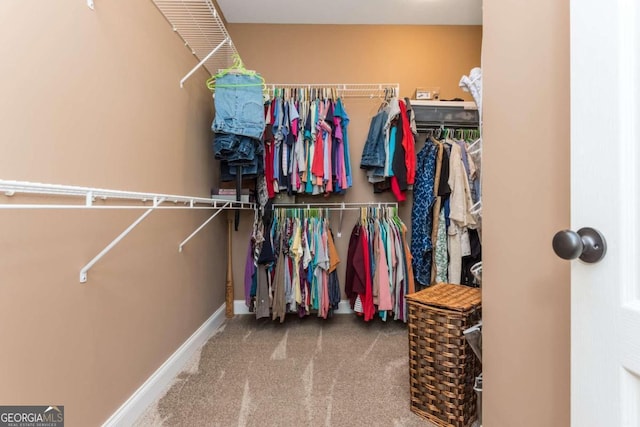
point(448, 295)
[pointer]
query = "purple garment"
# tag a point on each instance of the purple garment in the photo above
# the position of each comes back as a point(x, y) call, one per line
point(249, 271)
point(340, 172)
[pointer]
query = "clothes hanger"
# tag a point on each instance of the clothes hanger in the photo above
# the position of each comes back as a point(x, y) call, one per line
point(237, 68)
point(396, 218)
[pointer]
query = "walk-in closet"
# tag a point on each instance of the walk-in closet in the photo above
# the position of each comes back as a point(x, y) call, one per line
point(220, 213)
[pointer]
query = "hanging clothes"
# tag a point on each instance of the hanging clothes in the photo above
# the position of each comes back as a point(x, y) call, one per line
point(378, 273)
point(388, 154)
point(306, 144)
point(300, 263)
point(421, 214)
point(445, 231)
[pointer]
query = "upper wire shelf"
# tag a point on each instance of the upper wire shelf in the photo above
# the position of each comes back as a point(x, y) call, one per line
point(201, 28)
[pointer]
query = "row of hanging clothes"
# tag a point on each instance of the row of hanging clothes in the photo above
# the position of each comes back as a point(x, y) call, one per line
point(379, 275)
point(292, 260)
point(292, 265)
point(446, 213)
point(306, 144)
point(389, 155)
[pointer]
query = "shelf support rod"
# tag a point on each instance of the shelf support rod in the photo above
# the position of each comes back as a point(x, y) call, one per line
point(205, 59)
point(184, 242)
point(83, 273)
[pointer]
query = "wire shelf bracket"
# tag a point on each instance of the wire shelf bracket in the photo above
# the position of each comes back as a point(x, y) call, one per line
point(205, 59)
point(85, 269)
point(204, 224)
point(101, 199)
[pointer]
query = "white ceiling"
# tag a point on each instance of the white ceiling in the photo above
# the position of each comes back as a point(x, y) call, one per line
point(415, 12)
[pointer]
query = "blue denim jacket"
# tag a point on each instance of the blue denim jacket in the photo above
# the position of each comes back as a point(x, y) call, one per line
point(373, 154)
point(239, 105)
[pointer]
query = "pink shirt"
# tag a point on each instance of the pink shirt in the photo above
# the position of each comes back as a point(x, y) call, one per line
point(382, 272)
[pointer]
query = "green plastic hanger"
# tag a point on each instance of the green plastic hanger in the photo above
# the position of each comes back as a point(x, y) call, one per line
point(237, 68)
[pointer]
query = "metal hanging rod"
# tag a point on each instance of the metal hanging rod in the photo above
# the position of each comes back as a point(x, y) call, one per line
point(336, 206)
point(350, 90)
point(89, 196)
point(446, 124)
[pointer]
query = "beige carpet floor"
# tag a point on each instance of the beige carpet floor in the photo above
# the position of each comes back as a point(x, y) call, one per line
point(304, 372)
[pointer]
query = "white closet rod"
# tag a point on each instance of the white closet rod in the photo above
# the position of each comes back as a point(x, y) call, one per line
point(344, 89)
point(89, 196)
point(336, 206)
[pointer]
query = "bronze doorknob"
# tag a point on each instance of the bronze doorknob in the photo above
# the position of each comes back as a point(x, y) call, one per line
point(588, 244)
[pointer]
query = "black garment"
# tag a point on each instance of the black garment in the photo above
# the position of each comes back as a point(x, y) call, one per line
point(266, 254)
point(468, 261)
point(288, 181)
point(329, 119)
point(443, 187)
point(398, 164)
point(382, 186)
point(307, 124)
point(334, 290)
point(351, 271)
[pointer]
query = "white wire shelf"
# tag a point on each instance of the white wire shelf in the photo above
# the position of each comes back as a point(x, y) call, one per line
point(201, 28)
point(345, 90)
point(45, 196)
point(92, 195)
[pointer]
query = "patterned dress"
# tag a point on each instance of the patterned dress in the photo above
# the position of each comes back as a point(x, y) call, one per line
point(421, 214)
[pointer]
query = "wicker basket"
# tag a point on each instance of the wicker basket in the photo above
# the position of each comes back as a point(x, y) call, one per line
point(442, 365)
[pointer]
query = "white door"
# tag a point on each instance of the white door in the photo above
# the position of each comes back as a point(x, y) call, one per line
point(605, 192)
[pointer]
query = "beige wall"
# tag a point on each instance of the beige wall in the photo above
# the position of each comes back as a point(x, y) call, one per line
point(526, 200)
point(413, 56)
point(92, 98)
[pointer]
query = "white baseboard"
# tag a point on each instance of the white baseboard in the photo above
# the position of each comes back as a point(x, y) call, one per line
point(156, 384)
point(239, 307)
point(344, 307)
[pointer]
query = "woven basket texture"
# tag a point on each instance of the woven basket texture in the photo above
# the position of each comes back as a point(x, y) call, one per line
point(442, 364)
